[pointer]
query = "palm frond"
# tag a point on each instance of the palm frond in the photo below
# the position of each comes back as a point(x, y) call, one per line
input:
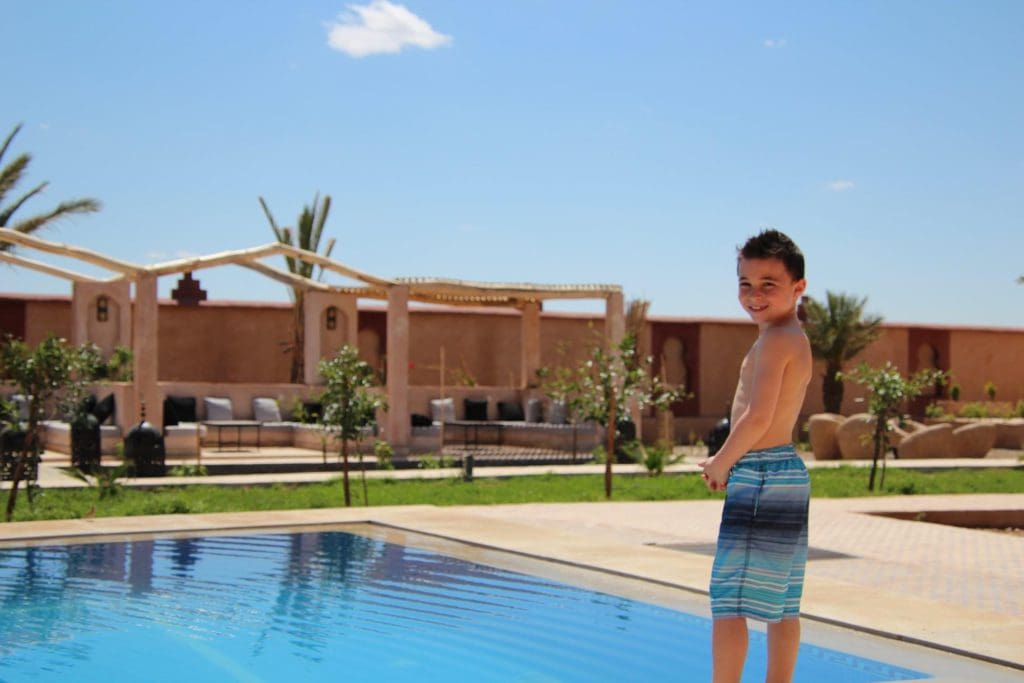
point(7, 142)
point(270, 219)
point(12, 173)
point(286, 235)
point(839, 330)
point(5, 215)
point(327, 254)
point(320, 217)
point(636, 316)
point(62, 210)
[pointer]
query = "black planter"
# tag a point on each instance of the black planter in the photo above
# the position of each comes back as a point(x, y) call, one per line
point(717, 436)
point(625, 433)
point(85, 443)
point(12, 441)
point(144, 449)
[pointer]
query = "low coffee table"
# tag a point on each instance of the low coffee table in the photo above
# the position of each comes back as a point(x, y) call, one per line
point(471, 431)
point(238, 425)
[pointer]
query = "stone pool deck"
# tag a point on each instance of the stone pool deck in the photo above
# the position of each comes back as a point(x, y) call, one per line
point(953, 589)
point(960, 590)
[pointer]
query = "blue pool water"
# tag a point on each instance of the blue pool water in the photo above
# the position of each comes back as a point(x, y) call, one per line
point(308, 606)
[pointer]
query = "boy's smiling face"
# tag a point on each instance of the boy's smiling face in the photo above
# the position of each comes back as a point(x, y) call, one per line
point(767, 292)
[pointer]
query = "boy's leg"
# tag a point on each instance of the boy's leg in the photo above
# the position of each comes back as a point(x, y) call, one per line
point(783, 644)
point(728, 649)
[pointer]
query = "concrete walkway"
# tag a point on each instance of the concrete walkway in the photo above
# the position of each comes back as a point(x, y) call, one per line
point(53, 474)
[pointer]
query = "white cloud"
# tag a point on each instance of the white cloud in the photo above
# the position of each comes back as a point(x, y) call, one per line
point(381, 27)
point(774, 42)
point(841, 185)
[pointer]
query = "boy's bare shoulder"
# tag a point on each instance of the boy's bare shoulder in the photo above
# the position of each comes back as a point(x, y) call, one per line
point(785, 340)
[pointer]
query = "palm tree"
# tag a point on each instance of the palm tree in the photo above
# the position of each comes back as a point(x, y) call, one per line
point(9, 177)
point(306, 236)
point(838, 331)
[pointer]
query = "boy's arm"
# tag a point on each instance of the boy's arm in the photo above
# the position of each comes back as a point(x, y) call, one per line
point(770, 365)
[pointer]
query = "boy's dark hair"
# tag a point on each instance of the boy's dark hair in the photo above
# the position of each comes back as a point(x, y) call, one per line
point(774, 244)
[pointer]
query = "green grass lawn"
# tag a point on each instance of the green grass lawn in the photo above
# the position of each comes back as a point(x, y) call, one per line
point(842, 482)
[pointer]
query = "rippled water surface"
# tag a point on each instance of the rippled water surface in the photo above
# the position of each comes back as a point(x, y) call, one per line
point(308, 606)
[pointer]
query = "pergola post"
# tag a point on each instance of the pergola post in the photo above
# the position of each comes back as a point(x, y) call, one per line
point(398, 427)
point(614, 319)
point(615, 330)
point(145, 353)
point(312, 304)
point(529, 344)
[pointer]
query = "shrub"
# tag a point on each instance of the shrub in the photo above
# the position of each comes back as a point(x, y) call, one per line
point(438, 462)
point(954, 392)
point(188, 471)
point(934, 410)
point(990, 389)
point(974, 409)
point(384, 453)
point(653, 458)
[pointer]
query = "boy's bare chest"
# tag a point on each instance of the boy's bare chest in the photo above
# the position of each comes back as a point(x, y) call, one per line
point(746, 379)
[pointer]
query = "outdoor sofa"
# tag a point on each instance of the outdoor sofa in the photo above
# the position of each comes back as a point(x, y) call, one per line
point(509, 423)
point(56, 434)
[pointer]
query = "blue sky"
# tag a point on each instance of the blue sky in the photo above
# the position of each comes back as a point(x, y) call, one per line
point(569, 141)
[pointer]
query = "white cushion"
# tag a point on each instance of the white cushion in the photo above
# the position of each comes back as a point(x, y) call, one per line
point(265, 410)
point(21, 405)
point(559, 413)
point(218, 408)
point(442, 410)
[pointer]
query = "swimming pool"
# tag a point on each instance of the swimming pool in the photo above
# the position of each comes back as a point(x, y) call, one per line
point(305, 606)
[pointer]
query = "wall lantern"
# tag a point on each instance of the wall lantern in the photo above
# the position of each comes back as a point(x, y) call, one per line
point(332, 317)
point(102, 309)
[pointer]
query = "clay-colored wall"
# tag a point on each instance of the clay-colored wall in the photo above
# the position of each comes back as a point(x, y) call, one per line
point(565, 341)
point(722, 349)
point(484, 346)
point(226, 343)
point(43, 318)
point(980, 356)
point(723, 346)
point(891, 345)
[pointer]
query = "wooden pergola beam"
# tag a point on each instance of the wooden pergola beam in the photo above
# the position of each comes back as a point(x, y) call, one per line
point(194, 263)
point(87, 255)
point(46, 268)
point(513, 290)
point(242, 256)
point(330, 264)
point(283, 276)
point(444, 291)
point(293, 280)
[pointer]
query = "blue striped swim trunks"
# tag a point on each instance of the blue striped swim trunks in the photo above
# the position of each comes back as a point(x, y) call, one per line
point(762, 542)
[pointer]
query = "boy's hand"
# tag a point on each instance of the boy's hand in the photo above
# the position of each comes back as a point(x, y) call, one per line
point(715, 475)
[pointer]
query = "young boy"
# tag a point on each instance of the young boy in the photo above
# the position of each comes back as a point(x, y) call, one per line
point(762, 542)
